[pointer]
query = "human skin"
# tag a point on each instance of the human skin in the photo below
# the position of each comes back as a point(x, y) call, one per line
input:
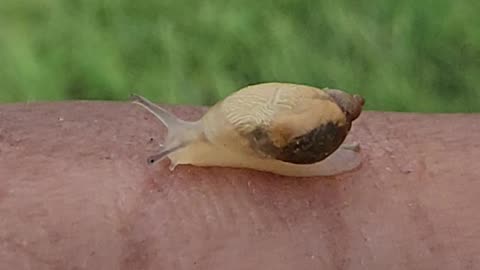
point(76, 192)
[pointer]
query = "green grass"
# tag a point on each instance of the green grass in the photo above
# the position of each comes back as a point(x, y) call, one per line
point(407, 55)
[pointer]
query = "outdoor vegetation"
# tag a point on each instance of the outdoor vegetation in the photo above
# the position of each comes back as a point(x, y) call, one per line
point(420, 55)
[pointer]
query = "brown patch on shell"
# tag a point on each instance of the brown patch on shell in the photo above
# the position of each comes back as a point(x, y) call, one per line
point(309, 148)
point(287, 126)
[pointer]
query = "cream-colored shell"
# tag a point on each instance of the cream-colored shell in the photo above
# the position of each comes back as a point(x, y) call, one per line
point(218, 139)
point(278, 106)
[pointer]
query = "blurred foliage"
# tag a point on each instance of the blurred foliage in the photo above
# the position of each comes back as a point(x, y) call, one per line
point(412, 55)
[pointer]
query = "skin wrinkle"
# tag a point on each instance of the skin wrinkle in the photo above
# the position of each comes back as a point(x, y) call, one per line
point(221, 204)
point(392, 160)
point(282, 220)
point(420, 217)
point(204, 228)
point(140, 248)
point(208, 214)
point(270, 200)
point(426, 185)
point(244, 200)
point(392, 142)
point(257, 217)
point(290, 216)
point(418, 214)
point(369, 203)
point(429, 229)
point(337, 231)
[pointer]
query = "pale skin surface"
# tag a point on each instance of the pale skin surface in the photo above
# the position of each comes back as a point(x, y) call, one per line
point(76, 193)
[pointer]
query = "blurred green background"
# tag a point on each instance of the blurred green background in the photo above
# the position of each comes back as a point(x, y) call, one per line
point(407, 55)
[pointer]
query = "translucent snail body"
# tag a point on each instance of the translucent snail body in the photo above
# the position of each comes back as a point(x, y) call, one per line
point(286, 129)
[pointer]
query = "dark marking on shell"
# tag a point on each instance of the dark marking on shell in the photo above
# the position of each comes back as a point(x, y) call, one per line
point(309, 148)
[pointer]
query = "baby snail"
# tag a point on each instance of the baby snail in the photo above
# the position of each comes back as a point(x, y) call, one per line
point(282, 128)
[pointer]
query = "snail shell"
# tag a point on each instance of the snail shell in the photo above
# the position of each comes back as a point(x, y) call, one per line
point(282, 128)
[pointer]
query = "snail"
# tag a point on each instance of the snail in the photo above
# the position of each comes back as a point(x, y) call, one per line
point(282, 128)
